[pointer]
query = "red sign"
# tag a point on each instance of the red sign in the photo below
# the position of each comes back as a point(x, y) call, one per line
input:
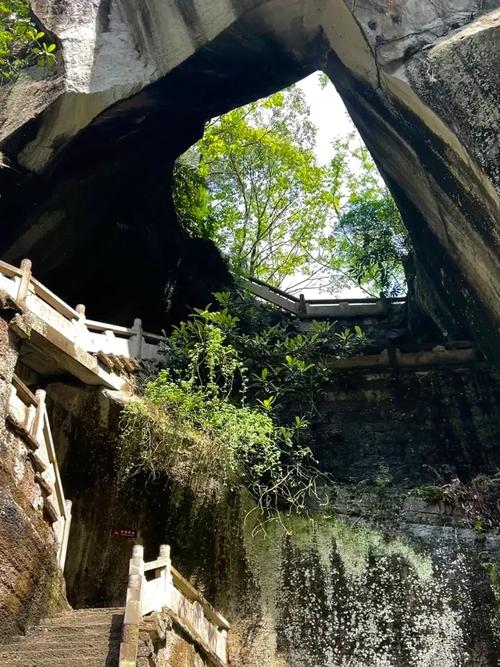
point(124, 532)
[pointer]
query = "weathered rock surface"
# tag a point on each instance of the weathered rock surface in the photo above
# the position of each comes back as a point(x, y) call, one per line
point(31, 583)
point(376, 575)
point(91, 149)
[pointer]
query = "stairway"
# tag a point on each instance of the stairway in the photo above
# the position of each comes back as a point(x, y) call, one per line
point(89, 637)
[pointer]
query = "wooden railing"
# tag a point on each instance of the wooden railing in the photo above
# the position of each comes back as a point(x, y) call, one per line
point(91, 336)
point(321, 308)
point(27, 414)
point(167, 590)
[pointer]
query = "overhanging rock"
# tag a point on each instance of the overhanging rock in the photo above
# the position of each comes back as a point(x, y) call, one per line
point(92, 148)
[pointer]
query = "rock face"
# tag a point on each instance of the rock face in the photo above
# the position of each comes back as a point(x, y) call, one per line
point(31, 583)
point(91, 149)
point(380, 575)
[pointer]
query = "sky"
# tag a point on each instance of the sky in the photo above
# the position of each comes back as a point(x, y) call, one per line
point(331, 118)
point(328, 113)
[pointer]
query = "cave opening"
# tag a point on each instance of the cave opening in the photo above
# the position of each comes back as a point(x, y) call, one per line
point(101, 189)
point(287, 191)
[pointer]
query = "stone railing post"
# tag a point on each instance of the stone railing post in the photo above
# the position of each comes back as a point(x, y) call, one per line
point(80, 325)
point(133, 609)
point(40, 409)
point(25, 280)
point(166, 575)
point(109, 344)
point(136, 342)
point(384, 302)
point(302, 305)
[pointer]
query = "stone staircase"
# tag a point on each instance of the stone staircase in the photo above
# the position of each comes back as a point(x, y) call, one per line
point(89, 637)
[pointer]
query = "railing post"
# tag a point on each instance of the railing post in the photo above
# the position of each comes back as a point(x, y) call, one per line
point(25, 280)
point(384, 302)
point(136, 350)
point(110, 341)
point(80, 326)
point(166, 574)
point(40, 408)
point(133, 609)
point(302, 305)
point(63, 547)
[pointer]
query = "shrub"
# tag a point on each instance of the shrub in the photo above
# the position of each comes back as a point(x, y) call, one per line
point(22, 44)
point(232, 407)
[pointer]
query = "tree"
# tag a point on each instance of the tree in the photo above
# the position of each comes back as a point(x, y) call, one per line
point(370, 241)
point(373, 243)
point(269, 201)
point(253, 185)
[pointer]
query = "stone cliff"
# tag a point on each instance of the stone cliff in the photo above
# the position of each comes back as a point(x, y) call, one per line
point(383, 573)
point(91, 148)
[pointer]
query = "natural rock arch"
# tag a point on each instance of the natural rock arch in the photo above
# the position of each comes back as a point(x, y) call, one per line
point(91, 149)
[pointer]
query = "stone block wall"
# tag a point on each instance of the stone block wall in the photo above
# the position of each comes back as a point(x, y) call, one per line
point(372, 578)
point(31, 584)
point(410, 427)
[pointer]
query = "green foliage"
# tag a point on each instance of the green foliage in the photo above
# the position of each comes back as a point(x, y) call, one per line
point(430, 493)
point(270, 199)
point(234, 406)
point(254, 186)
point(22, 44)
point(373, 242)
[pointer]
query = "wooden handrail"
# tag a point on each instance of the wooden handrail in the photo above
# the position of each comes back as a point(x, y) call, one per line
point(24, 392)
point(321, 307)
point(9, 270)
point(370, 300)
point(28, 412)
point(277, 290)
point(93, 325)
point(53, 300)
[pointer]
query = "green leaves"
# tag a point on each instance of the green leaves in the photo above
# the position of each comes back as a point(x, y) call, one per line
point(21, 43)
point(267, 403)
point(373, 242)
point(234, 403)
point(254, 185)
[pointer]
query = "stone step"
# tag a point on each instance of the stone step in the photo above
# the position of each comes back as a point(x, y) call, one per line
point(93, 624)
point(89, 637)
point(81, 621)
point(72, 654)
point(56, 648)
point(40, 661)
point(77, 661)
point(70, 632)
point(58, 639)
point(103, 612)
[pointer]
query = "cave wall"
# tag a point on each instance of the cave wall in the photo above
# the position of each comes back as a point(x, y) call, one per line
point(91, 148)
point(31, 583)
point(410, 427)
point(375, 575)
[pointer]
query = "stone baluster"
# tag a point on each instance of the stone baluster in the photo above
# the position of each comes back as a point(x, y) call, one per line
point(166, 575)
point(109, 345)
point(80, 325)
point(40, 410)
point(137, 339)
point(133, 609)
point(302, 306)
point(25, 281)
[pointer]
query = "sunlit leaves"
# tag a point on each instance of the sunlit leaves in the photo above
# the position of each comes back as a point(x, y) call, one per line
point(254, 186)
point(21, 43)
